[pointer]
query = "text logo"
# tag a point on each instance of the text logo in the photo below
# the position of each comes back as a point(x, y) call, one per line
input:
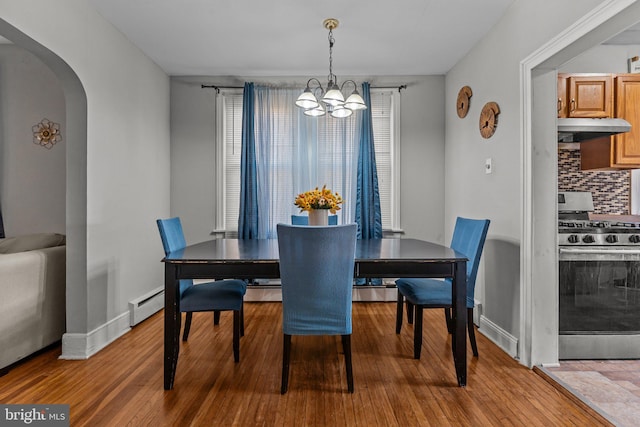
point(34, 415)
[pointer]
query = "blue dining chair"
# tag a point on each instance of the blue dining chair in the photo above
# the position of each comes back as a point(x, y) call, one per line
point(468, 238)
point(304, 220)
point(316, 270)
point(217, 296)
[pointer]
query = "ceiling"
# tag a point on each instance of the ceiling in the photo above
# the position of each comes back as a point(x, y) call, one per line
point(286, 37)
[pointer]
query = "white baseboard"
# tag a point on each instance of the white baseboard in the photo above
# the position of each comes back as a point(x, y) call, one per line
point(499, 336)
point(263, 294)
point(82, 346)
point(477, 311)
point(374, 294)
point(551, 365)
point(360, 294)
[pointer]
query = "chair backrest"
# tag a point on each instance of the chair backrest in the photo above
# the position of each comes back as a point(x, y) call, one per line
point(304, 220)
point(468, 238)
point(171, 234)
point(173, 240)
point(316, 270)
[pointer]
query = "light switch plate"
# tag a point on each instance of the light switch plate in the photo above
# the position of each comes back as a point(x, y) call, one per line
point(488, 166)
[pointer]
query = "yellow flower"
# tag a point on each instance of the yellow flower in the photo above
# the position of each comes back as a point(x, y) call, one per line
point(319, 199)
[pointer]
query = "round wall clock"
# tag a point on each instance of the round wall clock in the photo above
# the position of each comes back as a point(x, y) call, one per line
point(462, 103)
point(489, 119)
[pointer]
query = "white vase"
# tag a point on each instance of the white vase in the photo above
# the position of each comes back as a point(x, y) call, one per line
point(319, 217)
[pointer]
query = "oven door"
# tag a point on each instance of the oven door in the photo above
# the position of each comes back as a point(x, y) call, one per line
point(599, 302)
point(592, 270)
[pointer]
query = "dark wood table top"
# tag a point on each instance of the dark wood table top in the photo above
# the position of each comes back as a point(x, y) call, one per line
point(266, 250)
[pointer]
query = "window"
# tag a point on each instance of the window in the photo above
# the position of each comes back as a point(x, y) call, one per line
point(385, 114)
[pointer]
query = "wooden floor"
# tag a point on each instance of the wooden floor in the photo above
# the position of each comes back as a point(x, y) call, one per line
point(123, 384)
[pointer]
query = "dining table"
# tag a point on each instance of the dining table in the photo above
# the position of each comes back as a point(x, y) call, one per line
point(258, 258)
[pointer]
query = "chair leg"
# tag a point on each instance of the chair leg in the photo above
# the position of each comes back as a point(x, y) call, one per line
point(286, 356)
point(242, 319)
point(236, 335)
point(346, 346)
point(447, 318)
point(472, 333)
point(410, 313)
point(216, 317)
point(417, 332)
point(399, 313)
point(187, 326)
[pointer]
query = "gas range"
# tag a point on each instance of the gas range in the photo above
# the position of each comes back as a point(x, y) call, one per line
point(598, 283)
point(598, 233)
point(576, 229)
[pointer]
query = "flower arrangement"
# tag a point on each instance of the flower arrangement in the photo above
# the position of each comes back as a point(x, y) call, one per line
point(319, 199)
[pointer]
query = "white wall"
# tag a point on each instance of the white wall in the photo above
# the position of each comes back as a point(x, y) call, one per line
point(32, 178)
point(492, 70)
point(604, 58)
point(117, 161)
point(422, 151)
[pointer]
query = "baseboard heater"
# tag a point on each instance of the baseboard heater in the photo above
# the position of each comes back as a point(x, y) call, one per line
point(146, 305)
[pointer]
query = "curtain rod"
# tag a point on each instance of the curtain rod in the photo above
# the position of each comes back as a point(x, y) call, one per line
point(217, 88)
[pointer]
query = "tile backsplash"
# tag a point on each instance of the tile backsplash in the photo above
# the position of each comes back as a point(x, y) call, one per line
point(610, 189)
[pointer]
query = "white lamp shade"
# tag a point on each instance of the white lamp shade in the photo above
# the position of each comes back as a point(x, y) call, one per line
point(333, 97)
point(341, 112)
point(355, 102)
point(307, 100)
point(315, 112)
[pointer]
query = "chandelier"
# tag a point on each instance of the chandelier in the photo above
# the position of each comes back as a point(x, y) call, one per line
point(333, 100)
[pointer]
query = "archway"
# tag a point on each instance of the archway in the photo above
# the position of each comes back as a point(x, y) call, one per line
point(76, 177)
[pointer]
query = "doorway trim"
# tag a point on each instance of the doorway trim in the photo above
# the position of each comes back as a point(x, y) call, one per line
point(604, 21)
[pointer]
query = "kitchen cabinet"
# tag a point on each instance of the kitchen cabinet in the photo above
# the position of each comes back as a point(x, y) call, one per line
point(585, 95)
point(562, 96)
point(626, 146)
point(620, 151)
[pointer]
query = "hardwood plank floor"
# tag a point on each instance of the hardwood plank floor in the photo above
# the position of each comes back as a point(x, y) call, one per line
point(123, 384)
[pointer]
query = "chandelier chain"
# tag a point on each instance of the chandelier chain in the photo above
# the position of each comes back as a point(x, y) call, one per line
point(331, 42)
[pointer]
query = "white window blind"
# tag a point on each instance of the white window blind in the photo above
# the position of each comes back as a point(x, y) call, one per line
point(381, 115)
point(232, 109)
point(229, 142)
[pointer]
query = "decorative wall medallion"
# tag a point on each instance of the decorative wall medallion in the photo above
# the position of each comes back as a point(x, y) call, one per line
point(46, 133)
point(462, 103)
point(489, 119)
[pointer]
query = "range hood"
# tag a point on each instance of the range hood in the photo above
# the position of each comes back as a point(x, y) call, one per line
point(583, 129)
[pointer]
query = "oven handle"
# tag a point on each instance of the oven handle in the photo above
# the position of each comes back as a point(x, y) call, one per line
point(600, 251)
point(599, 254)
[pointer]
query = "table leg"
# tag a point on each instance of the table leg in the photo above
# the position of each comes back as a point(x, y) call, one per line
point(172, 321)
point(459, 339)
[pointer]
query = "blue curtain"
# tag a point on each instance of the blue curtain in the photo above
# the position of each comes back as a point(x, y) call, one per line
point(248, 221)
point(368, 213)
